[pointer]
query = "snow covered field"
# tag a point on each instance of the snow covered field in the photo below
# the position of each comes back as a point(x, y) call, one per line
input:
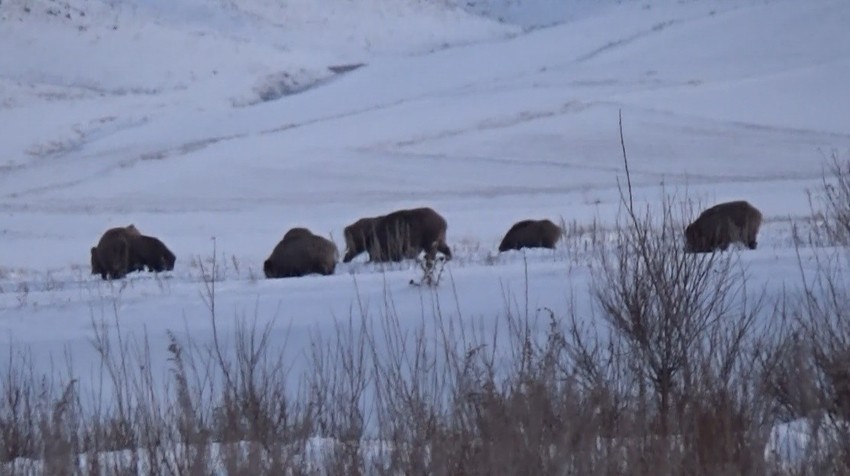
point(238, 120)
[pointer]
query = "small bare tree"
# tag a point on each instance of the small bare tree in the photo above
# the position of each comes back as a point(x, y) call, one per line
point(681, 338)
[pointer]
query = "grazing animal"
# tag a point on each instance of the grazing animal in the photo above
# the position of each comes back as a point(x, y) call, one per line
point(531, 234)
point(300, 253)
point(111, 258)
point(151, 252)
point(399, 235)
point(723, 224)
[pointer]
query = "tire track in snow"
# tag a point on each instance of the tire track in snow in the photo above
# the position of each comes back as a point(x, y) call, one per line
point(499, 123)
point(576, 106)
point(799, 132)
point(489, 124)
point(626, 40)
point(669, 178)
point(641, 180)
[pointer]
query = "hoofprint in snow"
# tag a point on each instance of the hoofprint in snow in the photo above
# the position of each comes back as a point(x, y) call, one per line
point(195, 120)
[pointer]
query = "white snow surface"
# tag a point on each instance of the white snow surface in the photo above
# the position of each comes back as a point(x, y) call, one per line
point(197, 119)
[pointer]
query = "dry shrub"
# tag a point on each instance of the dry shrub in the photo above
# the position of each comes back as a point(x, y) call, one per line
point(681, 333)
point(830, 205)
point(672, 358)
point(810, 380)
point(18, 413)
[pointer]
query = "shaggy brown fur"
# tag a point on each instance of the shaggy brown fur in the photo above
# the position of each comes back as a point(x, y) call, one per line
point(399, 235)
point(111, 258)
point(296, 233)
point(108, 258)
point(300, 253)
point(722, 225)
point(359, 237)
point(531, 234)
point(151, 252)
point(95, 264)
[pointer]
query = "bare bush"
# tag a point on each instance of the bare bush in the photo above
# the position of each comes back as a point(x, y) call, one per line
point(681, 336)
point(810, 380)
point(682, 332)
point(830, 205)
point(17, 408)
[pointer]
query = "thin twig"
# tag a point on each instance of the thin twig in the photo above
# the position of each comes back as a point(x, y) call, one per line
point(626, 162)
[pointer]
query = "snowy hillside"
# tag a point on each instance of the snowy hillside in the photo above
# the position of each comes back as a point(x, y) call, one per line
point(236, 121)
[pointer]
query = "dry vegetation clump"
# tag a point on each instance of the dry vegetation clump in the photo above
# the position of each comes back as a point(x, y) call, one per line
point(830, 206)
point(810, 377)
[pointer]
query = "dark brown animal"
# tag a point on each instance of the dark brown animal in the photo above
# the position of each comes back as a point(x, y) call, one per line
point(724, 224)
point(142, 251)
point(300, 253)
point(150, 252)
point(111, 258)
point(399, 235)
point(531, 234)
point(96, 268)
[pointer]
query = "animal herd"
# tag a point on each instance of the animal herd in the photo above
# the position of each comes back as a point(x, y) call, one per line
point(399, 235)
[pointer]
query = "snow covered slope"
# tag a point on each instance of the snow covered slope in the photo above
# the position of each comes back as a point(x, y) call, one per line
point(195, 119)
point(151, 123)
